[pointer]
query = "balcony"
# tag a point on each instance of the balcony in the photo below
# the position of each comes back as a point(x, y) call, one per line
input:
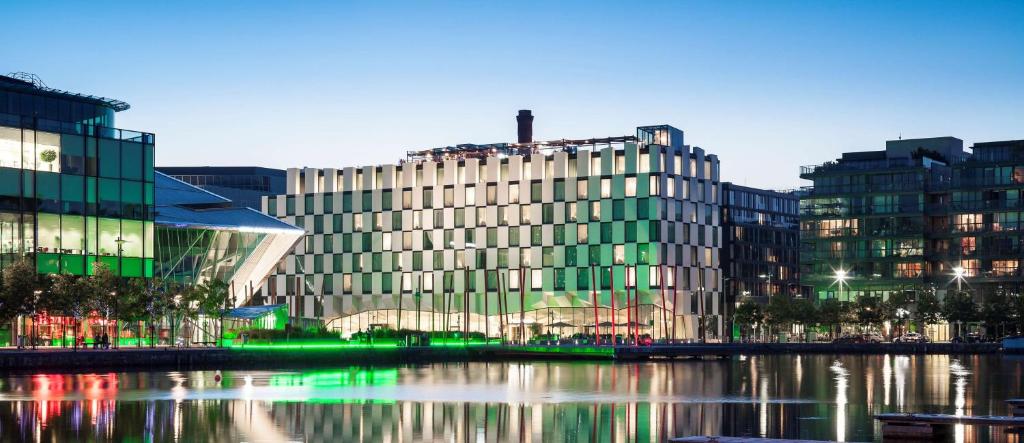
point(857, 165)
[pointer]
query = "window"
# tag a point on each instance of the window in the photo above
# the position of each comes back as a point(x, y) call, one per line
point(559, 234)
point(492, 194)
point(537, 279)
point(559, 190)
point(595, 211)
point(470, 196)
point(581, 189)
point(570, 212)
point(536, 236)
point(513, 193)
point(407, 199)
point(606, 188)
point(581, 233)
point(536, 192)
point(619, 254)
point(449, 196)
point(428, 198)
point(548, 213)
point(524, 215)
point(630, 186)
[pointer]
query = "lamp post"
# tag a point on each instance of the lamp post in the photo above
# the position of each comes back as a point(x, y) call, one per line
point(958, 275)
point(841, 275)
point(768, 276)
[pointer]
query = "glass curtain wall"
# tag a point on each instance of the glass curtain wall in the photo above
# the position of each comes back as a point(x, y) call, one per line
point(72, 200)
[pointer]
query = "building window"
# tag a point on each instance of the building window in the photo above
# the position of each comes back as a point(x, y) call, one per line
point(513, 193)
point(606, 188)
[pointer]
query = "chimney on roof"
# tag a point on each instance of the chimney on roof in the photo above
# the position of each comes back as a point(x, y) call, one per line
point(525, 121)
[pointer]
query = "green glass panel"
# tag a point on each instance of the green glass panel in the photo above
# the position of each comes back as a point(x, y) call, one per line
point(132, 267)
point(150, 152)
point(47, 263)
point(109, 158)
point(72, 264)
point(9, 180)
point(132, 164)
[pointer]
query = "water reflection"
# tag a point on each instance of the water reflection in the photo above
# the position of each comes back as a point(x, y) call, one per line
point(820, 397)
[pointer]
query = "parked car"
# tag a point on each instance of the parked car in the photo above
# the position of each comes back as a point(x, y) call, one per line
point(911, 337)
point(872, 337)
point(971, 337)
point(849, 338)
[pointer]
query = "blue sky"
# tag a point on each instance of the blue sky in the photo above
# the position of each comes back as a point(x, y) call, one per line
point(768, 86)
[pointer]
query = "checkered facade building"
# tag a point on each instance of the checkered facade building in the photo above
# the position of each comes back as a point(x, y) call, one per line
point(381, 237)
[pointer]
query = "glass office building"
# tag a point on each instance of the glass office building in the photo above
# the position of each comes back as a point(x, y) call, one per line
point(245, 186)
point(552, 230)
point(201, 236)
point(74, 190)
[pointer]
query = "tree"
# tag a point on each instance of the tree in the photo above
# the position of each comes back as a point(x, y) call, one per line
point(159, 302)
point(778, 314)
point(20, 290)
point(1017, 307)
point(868, 311)
point(104, 286)
point(804, 312)
point(897, 310)
point(214, 297)
point(996, 312)
point(69, 295)
point(833, 313)
point(748, 314)
point(959, 307)
point(132, 303)
point(927, 309)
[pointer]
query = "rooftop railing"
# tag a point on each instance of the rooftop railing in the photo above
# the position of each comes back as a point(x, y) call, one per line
point(41, 124)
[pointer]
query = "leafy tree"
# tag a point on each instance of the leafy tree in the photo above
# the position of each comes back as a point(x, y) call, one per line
point(897, 310)
point(214, 298)
point(20, 288)
point(69, 296)
point(159, 302)
point(1017, 308)
point(804, 312)
point(869, 311)
point(927, 309)
point(748, 314)
point(958, 308)
point(996, 312)
point(132, 304)
point(834, 313)
point(105, 286)
point(778, 314)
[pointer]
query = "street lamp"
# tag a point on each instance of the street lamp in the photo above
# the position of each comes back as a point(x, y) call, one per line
point(841, 275)
point(958, 275)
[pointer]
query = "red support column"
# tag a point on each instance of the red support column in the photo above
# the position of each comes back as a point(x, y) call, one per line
point(522, 307)
point(629, 309)
point(597, 318)
point(611, 276)
point(664, 283)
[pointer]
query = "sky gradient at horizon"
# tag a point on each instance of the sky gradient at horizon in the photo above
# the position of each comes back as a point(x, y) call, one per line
point(768, 86)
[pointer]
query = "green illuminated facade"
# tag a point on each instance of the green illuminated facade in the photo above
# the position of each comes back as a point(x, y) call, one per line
point(556, 224)
point(73, 193)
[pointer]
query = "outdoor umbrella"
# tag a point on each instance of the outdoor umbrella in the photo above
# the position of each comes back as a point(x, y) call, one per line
point(560, 325)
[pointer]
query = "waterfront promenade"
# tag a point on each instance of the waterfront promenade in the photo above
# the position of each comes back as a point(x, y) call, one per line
point(286, 355)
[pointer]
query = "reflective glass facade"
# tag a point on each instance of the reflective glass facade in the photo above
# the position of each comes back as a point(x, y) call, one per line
point(195, 256)
point(73, 193)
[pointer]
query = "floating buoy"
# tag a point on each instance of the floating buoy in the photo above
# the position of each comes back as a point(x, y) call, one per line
point(217, 376)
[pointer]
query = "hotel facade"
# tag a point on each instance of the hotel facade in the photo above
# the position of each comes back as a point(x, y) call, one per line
point(511, 238)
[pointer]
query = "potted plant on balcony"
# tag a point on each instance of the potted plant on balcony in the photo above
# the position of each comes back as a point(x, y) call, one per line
point(48, 156)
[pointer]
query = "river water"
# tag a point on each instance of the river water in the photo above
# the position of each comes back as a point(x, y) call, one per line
point(792, 396)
